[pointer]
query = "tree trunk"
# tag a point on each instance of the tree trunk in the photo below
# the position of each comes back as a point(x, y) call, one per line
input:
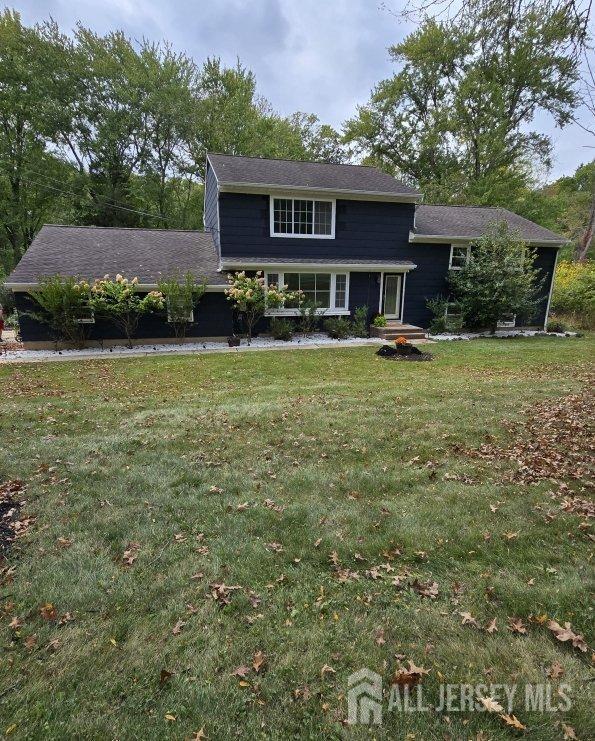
point(581, 249)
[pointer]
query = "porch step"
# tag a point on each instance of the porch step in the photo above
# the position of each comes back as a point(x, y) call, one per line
point(394, 330)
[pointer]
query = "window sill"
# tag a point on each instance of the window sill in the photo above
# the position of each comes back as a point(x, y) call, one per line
point(297, 312)
point(303, 236)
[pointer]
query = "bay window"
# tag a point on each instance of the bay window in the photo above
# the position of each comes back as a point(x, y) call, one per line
point(302, 217)
point(329, 291)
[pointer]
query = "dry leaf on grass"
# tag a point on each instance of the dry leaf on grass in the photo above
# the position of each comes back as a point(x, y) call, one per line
point(565, 633)
point(258, 661)
point(491, 705)
point(468, 619)
point(513, 722)
point(409, 677)
point(177, 629)
point(516, 625)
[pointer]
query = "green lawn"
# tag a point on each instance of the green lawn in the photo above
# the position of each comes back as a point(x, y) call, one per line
point(284, 473)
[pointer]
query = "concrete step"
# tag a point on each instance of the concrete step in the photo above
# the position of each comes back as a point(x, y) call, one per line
point(394, 330)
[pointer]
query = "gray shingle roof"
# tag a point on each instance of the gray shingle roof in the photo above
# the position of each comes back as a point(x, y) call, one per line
point(230, 169)
point(472, 221)
point(91, 252)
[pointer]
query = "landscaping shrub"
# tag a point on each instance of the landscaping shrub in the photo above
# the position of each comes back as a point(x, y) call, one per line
point(118, 301)
point(309, 318)
point(500, 279)
point(338, 327)
point(556, 325)
point(574, 293)
point(379, 321)
point(360, 322)
point(181, 297)
point(437, 306)
point(251, 298)
point(281, 329)
point(63, 303)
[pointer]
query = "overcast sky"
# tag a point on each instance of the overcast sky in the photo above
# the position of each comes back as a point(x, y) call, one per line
point(319, 56)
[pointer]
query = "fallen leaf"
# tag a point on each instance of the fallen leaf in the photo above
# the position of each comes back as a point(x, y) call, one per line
point(555, 671)
point(326, 669)
point(258, 661)
point(491, 705)
point(513, 722)
point(177, 629)
point(567, 634)
point(199, 735)
point(516, 625)
point(568, 731)
point(164, 676)
point(492, 627)
point(408, 677)
point(241, 671)
point(468, 619)
point(48, 611)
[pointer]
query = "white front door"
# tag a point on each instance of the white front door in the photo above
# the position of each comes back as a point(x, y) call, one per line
point(391, 305)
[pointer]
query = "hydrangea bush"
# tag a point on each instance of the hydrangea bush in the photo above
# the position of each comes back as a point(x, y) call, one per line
point(251, 297)
point(118, 301)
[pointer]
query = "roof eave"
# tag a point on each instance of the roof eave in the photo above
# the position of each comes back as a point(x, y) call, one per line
point(449, 238)
point(265, 188)
point(338, 266)
point(23, 287)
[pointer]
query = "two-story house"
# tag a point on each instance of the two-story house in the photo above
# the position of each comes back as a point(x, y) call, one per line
point(345, 235)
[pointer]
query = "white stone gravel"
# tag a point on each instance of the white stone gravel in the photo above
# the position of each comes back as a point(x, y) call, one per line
point(259, 343)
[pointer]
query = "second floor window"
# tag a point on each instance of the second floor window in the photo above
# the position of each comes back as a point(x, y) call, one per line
point(300, 217)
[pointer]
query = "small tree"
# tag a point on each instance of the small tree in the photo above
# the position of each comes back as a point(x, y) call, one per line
point(251, 298)
point(63, 306)
point(181, 296)
point(118, 301)
point(500, 279)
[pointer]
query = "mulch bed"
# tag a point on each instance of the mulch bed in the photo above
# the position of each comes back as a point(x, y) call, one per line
point(403, 352)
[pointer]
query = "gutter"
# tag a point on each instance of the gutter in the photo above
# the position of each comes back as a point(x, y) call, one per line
point(449, 238)
point(335, 266)
point(25, 287)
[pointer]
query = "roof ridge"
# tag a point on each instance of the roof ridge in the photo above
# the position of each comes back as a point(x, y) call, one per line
point(287, 159)
point(127, 228)
point(463, 205)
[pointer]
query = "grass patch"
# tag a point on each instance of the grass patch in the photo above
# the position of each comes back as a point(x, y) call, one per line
point(277, 472)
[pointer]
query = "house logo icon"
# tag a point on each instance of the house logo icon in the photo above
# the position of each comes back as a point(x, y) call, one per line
point(364, 698)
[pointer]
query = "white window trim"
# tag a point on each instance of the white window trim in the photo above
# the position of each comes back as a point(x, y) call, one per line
point(331, 311)
point(190, 318)
point(506, 323)
point(458, 267)
point(293, 198)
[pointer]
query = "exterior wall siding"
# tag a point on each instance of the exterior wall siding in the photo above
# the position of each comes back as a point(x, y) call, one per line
point(210, 213)
point(363, 230)
point(213, 319)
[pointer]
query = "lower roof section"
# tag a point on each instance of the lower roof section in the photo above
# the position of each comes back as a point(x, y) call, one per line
point(91, 252)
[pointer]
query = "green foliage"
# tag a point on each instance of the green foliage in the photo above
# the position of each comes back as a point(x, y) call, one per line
point(574, 293)
point(379, 321)
point(557, 325)
point(181, 297)
point(281, 329)
point(118, 301)
point(338, 327)
point(359, 325)
point(499, 279)
point(62, 303)
point(454, 117)
point(437, 306)
point(251, 298)
point(309, 316)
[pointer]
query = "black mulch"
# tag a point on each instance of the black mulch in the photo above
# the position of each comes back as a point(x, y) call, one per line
point(403, 352)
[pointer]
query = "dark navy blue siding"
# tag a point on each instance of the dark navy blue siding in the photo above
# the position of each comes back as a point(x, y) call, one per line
point(427, 281)
point(545, 260)
point(364, 230)
point(364, 290)
point(212, 313)
point(211, 223)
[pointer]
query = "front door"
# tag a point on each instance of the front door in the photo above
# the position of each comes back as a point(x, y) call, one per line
point(391, 305)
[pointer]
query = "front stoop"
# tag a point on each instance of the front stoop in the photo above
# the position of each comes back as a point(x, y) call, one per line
point(396, 329)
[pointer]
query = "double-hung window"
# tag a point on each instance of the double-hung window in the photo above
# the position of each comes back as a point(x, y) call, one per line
point(302, 217)
point(459, 256)
point(327, 291)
